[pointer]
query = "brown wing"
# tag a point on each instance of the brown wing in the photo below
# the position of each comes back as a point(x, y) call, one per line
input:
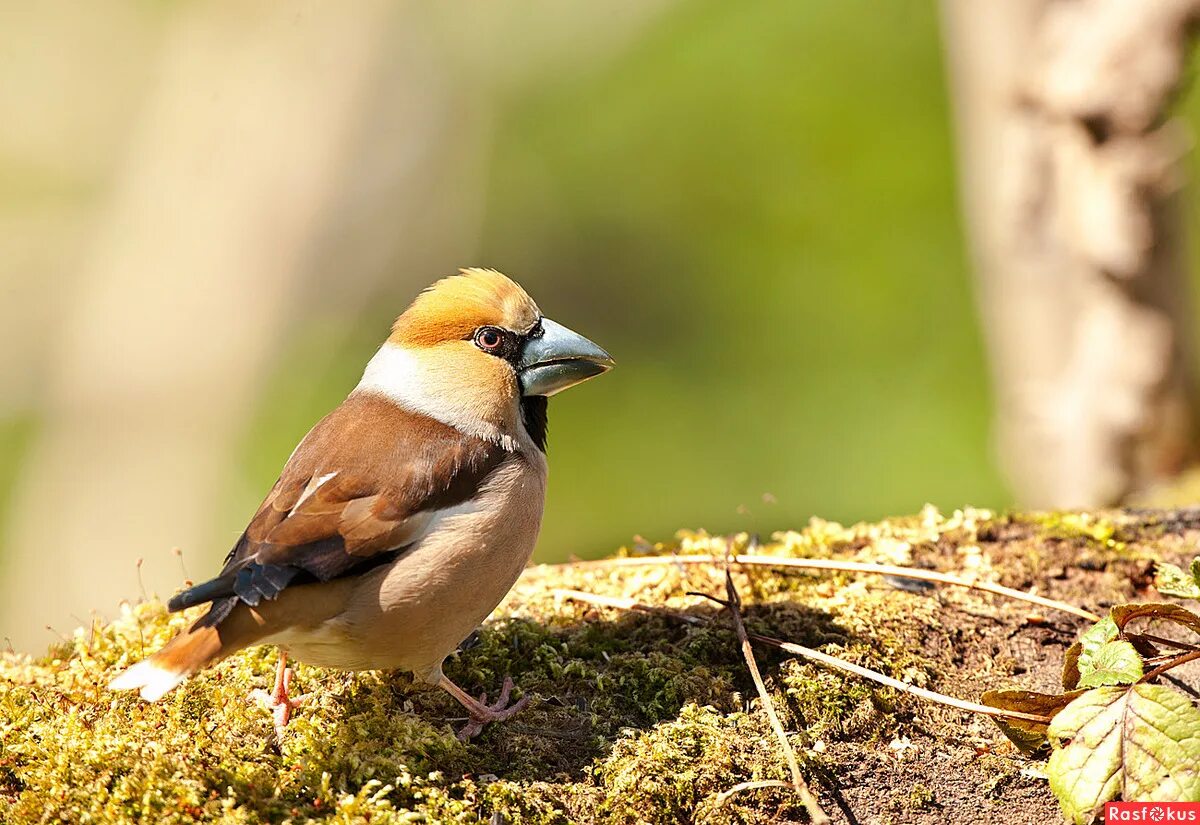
point(364, 484)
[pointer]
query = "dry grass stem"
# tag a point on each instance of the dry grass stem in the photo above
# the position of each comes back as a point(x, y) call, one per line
point(851, 567)
point(724, 796)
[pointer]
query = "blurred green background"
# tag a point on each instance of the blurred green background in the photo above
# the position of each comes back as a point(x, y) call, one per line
point(752, 205)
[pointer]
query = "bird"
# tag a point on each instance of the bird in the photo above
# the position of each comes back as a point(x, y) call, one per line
point(405, 515)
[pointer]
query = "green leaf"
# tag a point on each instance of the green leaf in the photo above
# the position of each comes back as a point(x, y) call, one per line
point(1079, 655)
point(1174, 581)
point(1115, 663)
point(1098, 634)
point(1141, 743)
point(1028, 736)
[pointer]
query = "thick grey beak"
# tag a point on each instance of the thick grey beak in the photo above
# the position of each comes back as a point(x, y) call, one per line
point(558, 359)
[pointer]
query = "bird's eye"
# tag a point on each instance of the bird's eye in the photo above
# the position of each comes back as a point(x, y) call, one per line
point(489, 339)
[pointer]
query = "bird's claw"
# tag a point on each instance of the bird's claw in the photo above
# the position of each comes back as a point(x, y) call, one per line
point(279, 703)
point(498, 711)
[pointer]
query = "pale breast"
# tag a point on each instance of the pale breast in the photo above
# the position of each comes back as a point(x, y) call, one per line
point(414, 612)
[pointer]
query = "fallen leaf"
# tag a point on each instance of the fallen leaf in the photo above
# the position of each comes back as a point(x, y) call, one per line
point(1028, 736)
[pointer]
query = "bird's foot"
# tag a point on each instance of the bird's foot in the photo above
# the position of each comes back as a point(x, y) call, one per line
point(481, 713)
point(279, 702)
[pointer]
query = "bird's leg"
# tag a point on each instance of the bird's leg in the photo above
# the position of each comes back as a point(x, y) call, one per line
point(278, 702)
point(480, 711)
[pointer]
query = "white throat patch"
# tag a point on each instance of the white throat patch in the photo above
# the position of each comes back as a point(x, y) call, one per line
point(415, 384)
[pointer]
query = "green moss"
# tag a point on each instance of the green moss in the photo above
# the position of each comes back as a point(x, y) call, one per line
point(1099, 529)
point(921, 798)
point(677, 771)
point(830, 705)
point(637, 718)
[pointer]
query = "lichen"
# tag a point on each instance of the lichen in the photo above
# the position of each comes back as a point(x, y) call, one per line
point(636, 717)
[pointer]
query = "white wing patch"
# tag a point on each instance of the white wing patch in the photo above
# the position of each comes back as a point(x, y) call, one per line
point(311, 488)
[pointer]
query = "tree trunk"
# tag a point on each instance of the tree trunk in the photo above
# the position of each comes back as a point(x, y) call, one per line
point(1070, 179)
point(187, 281)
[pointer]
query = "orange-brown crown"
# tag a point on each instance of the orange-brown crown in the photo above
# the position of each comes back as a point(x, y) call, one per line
point(454, 307)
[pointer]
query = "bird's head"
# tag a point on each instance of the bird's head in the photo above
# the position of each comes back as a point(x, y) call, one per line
point(471, 347)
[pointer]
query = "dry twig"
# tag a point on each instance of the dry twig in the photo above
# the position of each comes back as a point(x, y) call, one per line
point(813, 807)
point(1173, 663)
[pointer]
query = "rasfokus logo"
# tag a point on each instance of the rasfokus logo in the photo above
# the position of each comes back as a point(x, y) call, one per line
point(1152, 812)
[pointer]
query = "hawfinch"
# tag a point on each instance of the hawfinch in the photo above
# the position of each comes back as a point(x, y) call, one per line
point(406, 514)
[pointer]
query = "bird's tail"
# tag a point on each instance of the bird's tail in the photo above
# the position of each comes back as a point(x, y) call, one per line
point(202, 644)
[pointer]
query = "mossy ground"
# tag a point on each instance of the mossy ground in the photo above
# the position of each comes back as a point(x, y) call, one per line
point(636, 718)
